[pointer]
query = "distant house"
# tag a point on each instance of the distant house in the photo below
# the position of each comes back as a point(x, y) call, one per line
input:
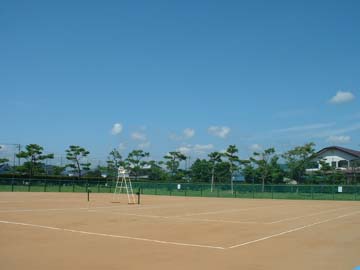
point(337, 157)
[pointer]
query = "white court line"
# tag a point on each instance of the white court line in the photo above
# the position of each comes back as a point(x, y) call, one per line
point(227, 211)
point(179, 243)
point(53, 209)
point(182, 218)
point(293, 230)
point(120, 207)
point(221, 221)
point(310, 215)
point(112, 235)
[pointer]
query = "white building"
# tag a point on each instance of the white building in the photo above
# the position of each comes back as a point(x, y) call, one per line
point(339, 158)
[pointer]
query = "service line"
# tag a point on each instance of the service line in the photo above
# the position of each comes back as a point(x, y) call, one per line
point(181, 218)
point(226, 211)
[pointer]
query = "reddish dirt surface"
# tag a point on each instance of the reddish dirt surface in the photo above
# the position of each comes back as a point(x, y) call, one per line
point(64, 231)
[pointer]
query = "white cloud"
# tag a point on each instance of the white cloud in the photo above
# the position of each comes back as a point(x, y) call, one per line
point(138, 136)
point(339, 139)
point(117, 129)
point(221, 132)
point(198, 149)
point(305, 127)
point(255, 147)
point(122, 146)
point(337, 132)
point(186, 150)
point(342, 97)
point(188, 133)
point(202, 148)
point(144, 145)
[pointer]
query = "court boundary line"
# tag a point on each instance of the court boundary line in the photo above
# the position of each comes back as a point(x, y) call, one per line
point(182, 218)
point(308, 215)
point(180, 243)
point(292, 230)
point(111, 235)
point(226, 211)
point(120, 207)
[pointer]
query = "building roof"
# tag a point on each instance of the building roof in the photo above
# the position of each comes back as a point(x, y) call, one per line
point(351, 152)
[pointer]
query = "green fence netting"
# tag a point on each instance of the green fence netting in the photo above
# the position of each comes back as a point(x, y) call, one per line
point(255, 191)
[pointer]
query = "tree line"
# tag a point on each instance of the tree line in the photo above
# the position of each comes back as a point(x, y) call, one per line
point(263, 167)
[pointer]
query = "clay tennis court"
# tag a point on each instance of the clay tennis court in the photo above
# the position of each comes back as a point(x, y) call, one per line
point(64, 231)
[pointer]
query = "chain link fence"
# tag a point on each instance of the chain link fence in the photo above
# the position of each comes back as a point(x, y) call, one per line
point(254, 191)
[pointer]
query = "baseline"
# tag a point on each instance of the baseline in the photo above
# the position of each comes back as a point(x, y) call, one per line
point(120, 207)
point(111, 235)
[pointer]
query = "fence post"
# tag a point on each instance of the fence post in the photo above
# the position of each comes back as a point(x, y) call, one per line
point(73, 186)
point(29, 185)
point(156, 187)
point(272, 192)
point(218, 192)
point(59, 186)
point(98, 187)
point(45, 185)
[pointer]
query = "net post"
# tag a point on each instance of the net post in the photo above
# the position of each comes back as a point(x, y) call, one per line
point(88, 194)
point(138, 199)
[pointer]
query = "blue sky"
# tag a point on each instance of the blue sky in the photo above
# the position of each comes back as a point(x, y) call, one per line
point(189, 75)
